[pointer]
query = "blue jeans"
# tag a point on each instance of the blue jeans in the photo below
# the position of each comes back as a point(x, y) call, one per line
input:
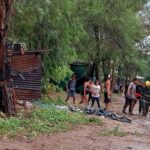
point(97, 99)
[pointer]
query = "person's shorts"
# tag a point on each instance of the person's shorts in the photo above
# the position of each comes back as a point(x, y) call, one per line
point(106, 98)
point(72, 93)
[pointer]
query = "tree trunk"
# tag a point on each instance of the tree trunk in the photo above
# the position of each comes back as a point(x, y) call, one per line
point(98, 41)
point(96, 70)
point(2, 11)
point(113, 76)
point(29, 43)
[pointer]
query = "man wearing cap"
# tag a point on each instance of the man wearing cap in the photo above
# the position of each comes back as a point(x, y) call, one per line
point(107, 93)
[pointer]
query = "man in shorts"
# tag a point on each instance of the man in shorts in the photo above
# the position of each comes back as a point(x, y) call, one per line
point(71, 89)
point(107, 93)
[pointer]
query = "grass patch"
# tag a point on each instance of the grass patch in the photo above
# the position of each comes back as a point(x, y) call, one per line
point(96, 121)
point(113, 132)
point(42, 121)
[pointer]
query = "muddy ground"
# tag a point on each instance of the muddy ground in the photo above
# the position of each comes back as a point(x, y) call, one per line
point(89, 137)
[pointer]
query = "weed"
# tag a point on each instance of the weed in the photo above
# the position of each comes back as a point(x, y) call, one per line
point(113, 132)
point(135, 133)
point(57, 101)
point(95, 120)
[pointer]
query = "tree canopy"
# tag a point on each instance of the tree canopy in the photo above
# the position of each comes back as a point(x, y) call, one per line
point(102, 31)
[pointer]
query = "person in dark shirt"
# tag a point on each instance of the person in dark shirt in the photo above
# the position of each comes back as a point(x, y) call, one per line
point(147, 89)
point(71, 89)
point(139, 92)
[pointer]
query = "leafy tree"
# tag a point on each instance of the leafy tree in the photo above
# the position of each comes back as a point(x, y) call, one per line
point(51, 25)
point(100, 31)
point(112, 29)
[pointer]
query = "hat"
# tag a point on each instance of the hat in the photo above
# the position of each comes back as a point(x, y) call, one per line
point(109, 76)
point(147, 83)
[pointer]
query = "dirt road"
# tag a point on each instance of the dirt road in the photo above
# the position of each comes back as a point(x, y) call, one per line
point(88, 137)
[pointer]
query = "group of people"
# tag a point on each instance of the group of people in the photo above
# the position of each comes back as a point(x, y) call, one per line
point(91, 91)
point(130, 97)
point(134, 92)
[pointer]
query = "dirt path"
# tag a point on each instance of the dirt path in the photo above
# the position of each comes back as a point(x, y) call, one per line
point(88, 137)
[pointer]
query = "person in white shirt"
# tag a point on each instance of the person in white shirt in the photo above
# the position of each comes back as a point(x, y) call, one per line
point(96, 93)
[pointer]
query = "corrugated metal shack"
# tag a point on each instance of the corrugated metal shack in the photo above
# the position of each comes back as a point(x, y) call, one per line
point(26, 74)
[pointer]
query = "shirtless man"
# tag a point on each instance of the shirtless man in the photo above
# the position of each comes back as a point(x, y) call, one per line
point(86, 91)
point(107, 93)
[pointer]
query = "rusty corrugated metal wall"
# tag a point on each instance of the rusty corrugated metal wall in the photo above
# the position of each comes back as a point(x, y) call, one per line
point(26, 75)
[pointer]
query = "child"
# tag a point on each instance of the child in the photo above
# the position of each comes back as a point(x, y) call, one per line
point(71, 89)
point(96, 93)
